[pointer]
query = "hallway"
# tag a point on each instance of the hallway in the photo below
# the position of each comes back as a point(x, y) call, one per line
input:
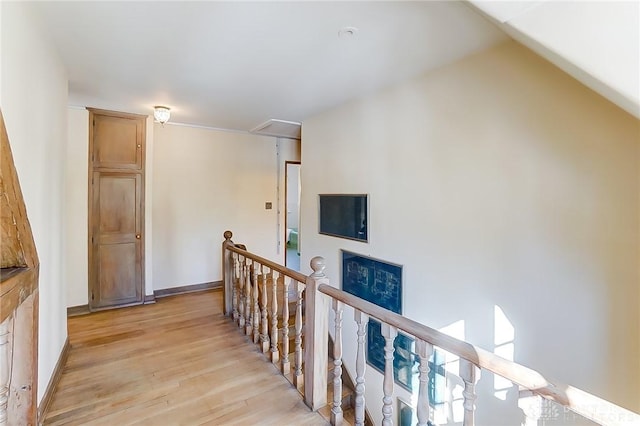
point(179, 361)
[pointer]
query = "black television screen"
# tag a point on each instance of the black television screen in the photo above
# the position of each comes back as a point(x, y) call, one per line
point(344, 215)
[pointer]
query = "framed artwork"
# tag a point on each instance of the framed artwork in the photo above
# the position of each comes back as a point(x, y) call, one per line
point(406, 362)
point(406, 414)
point(405, 366)
point(373, 280)
point(344, 216)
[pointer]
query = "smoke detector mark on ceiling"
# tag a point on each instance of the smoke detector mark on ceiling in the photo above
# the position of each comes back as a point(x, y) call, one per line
point(348, 33)
point(279, 128)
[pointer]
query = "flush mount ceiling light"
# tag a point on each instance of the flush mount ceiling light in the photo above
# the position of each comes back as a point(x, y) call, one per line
point(161, 114)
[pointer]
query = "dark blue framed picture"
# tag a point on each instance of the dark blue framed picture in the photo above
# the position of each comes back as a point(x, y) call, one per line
point(406, 361)
point(373, 280)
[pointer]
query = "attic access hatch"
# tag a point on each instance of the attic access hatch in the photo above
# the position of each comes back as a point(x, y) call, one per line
point(279, 129)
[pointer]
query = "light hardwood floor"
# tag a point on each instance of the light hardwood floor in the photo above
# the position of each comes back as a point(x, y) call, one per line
point(178, 362)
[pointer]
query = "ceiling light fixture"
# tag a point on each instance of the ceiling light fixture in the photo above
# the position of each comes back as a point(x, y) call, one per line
point(161, 114)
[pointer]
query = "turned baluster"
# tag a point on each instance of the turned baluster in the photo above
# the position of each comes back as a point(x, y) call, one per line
point(248, 302)
point(241, 291)
point(286, 364)
point(234, 285)
point(227, 273)
point(389, 333)
point(297, 374)
point(362, 320)
point(470, 374)
point(6, 361)
point(264, 335)
point(256, 307)
point(274, 317)
point(336, 409)
point(424, 350)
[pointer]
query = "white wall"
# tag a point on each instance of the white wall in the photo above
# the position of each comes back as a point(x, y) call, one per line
point(205, 182)
point(34, 104)
point(498, 180)
point(76, 207)
point(148, 202)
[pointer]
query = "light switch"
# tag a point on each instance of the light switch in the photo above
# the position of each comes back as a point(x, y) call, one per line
point(268, 205)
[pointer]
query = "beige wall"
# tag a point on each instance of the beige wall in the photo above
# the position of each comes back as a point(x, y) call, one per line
point(498, 180)
point(205, 182)
point(34, 105)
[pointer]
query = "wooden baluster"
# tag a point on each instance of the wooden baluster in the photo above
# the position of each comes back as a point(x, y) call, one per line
point(241, 290)
point(248, 302)
point(264, 335)
point(470, 374)
point(424, 350)
point(274, 317)
point(389, 333)
point(297, 374)
point(234, 285)
point(362, 320)
point(286, 364)
point(256, 307)
point(336, 409)
point(531, 406)
point(227, 273)
point(6, 361)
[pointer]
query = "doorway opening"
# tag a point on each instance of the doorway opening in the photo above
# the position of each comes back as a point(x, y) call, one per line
point(292, 215)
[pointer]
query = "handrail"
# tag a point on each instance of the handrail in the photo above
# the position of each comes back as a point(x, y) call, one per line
point(269, 264)
point(244, 286)
point(581, 402)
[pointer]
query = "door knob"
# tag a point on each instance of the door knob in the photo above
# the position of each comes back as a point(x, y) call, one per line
point(138, 236)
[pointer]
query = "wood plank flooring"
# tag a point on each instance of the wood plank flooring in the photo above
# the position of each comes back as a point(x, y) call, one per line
point(178, 362)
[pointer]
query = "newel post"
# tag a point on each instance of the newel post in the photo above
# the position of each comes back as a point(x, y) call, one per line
point(316, 331)
point(227, 273)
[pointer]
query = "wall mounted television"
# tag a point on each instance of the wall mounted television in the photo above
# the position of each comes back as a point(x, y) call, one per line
point(344, 216)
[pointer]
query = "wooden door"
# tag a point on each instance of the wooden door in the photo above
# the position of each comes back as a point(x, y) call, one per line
point(117, 239)
point(116, 209)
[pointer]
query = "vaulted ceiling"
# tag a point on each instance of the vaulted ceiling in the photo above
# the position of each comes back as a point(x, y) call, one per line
point(235, 65)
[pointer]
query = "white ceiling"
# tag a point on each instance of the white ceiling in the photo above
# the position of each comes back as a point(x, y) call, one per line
point(235, 65)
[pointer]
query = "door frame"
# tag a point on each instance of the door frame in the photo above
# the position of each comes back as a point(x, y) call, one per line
point(286, 199)
point(126, 170)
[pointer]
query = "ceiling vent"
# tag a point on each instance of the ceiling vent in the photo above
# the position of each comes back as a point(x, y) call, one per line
point(279, 129)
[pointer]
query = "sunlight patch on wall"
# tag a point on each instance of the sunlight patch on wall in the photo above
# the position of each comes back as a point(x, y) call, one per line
point(451, 409)
point(504, 337)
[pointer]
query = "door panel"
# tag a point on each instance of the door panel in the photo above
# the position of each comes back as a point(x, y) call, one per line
point(117, 243)
point(117, 267)
point(117, 142)
point(117, 207)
